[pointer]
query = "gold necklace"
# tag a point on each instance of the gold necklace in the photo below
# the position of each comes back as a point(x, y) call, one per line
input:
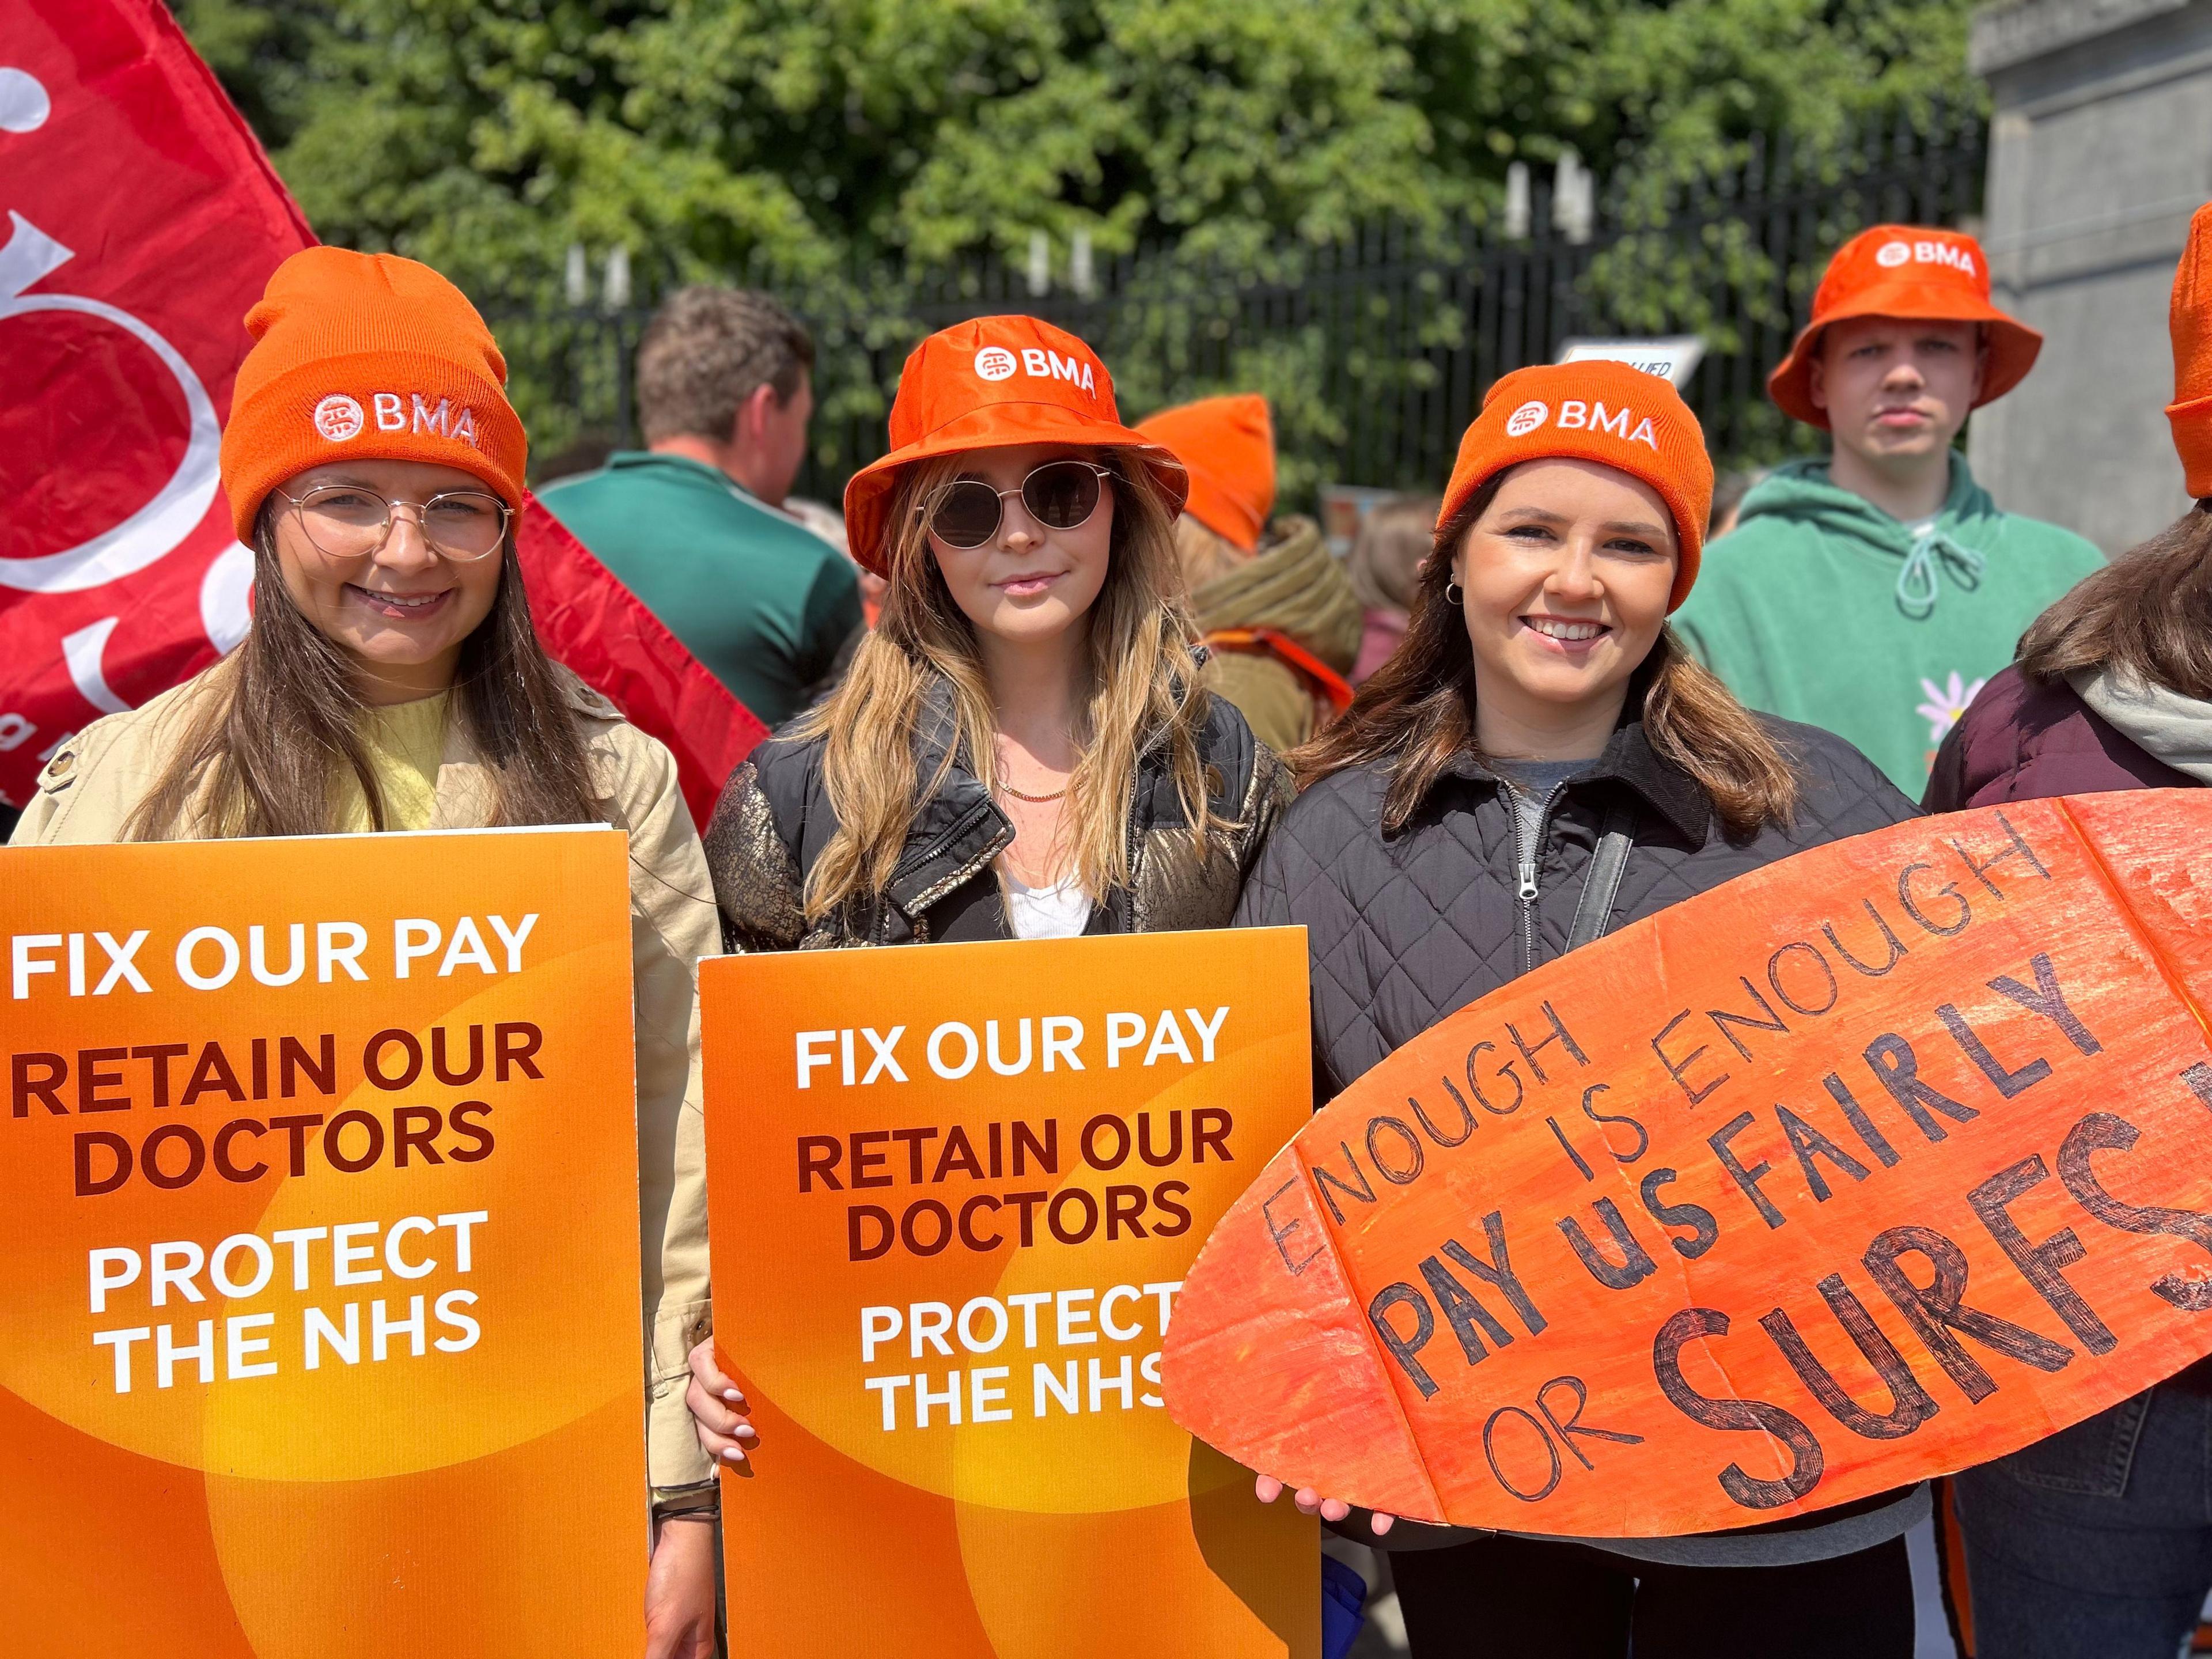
point(1034, 801)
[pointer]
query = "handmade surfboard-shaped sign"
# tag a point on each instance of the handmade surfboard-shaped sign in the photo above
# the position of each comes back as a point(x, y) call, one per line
point(1882, 1160)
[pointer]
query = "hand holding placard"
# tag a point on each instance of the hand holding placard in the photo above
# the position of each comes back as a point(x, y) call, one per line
point(953, 1193)
point(1880, 1161)
point(318, 1243)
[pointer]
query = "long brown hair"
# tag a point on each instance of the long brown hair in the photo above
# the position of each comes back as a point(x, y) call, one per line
point(2149, 614)
point(1144, 692)
point(275, 739)
point(1415, 714)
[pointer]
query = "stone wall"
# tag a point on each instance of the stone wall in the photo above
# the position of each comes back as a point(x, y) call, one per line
point(2101, 150)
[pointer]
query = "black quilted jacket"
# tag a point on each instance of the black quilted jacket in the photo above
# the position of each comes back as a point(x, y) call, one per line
point(1406, 928)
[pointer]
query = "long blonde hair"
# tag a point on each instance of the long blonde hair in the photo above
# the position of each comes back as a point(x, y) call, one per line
point(1144, 693)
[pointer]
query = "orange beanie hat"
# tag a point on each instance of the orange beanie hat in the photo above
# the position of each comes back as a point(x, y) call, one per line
point(2190, 321)
point(1607, 412)
point(994, 383)
point(1906, 270)
point(1229, 446)
point(369, 356)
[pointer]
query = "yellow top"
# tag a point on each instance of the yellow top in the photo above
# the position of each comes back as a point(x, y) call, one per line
point(404, 743)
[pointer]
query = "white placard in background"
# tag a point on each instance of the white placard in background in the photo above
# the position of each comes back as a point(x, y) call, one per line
point(1673, 357)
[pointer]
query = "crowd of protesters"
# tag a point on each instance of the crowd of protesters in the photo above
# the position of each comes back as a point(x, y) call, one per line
point(1106, 689)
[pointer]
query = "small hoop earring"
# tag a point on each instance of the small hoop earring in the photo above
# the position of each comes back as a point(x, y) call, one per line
point(1455, 594)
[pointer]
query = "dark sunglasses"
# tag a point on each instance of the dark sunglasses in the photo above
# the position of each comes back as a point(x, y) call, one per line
point(1059, 495)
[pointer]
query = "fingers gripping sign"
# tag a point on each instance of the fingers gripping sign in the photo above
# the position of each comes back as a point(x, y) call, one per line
point(718, 1407)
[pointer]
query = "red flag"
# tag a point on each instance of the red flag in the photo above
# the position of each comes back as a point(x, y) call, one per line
point(603, 631)
point(142, 221)
point(122, 324)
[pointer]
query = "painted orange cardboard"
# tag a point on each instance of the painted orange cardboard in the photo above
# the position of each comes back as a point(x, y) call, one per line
point(318, 1320)
point(953, 1193)
point(1881, 1162)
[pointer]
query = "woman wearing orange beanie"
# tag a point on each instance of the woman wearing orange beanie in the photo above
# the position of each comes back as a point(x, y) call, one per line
point(1540, 761)
point(1022, 748)
point(391, 679)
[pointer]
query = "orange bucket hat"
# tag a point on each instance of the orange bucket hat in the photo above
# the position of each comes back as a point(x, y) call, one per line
point(995, 383)
point(1906, 270)
point(1229, 445)
point(1611, 413)
point(2189, 322)
point(366, 356)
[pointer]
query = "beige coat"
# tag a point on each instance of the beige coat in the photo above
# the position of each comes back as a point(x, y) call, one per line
point(94, 782)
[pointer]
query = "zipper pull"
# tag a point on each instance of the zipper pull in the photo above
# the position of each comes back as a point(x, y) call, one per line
point(1527, 893)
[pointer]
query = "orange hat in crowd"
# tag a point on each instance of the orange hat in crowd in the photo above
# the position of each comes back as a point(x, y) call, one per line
point(366, 356)
point(1229, 445)
point(1607, 412)
point(1906, 270)
point(2190, 321)
point(995, 383)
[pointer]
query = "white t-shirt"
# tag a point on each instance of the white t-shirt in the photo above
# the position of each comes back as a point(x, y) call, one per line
point(1060, 911)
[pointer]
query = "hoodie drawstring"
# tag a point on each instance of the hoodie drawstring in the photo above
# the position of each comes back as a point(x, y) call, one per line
point(1917, 586)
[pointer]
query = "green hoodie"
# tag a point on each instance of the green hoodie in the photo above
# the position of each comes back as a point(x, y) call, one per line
point(1819, 607)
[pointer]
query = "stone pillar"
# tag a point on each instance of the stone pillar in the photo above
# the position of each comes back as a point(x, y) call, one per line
point(2101, 148)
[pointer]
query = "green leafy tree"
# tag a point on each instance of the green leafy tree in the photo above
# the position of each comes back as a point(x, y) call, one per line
point(832, 141)
point(488, 134)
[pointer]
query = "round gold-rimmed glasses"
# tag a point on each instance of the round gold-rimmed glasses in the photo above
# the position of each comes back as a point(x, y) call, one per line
point(346, 521)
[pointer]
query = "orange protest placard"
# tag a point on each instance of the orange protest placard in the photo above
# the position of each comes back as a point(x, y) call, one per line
point(953, 1193)
point(1881, 1162)
point(319, 1242)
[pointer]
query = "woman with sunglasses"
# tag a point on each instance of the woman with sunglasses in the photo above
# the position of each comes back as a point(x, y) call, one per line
point(390, 678)
point(1021, 749)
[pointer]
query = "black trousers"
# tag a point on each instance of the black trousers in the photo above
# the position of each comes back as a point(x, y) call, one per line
point(1522, 1598)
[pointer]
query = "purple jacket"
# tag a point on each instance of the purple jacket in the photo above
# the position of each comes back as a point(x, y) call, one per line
point(2019, 741)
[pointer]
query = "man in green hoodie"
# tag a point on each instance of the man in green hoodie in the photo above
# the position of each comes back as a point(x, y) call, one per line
point(1873, 592)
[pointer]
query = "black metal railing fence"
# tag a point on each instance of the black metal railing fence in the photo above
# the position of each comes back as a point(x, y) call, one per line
point(1373, 351)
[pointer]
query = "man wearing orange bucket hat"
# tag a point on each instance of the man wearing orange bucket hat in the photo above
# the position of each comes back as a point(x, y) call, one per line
point(1874, 589)
point(1277, 608)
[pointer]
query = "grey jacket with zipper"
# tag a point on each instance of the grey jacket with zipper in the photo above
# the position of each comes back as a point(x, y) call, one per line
point(1404, 928)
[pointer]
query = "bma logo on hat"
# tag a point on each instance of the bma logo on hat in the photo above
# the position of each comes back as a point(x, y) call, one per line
point(338, 417)
point(1624, 423)
point(995, 363)
point(1890, 255)
point(1527, 418)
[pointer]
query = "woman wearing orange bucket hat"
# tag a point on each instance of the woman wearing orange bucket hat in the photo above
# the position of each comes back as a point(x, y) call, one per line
point(1540, 761)
point(390, 678)
point(2098, 1539)
point(1873, 589)
point(1021, 749)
